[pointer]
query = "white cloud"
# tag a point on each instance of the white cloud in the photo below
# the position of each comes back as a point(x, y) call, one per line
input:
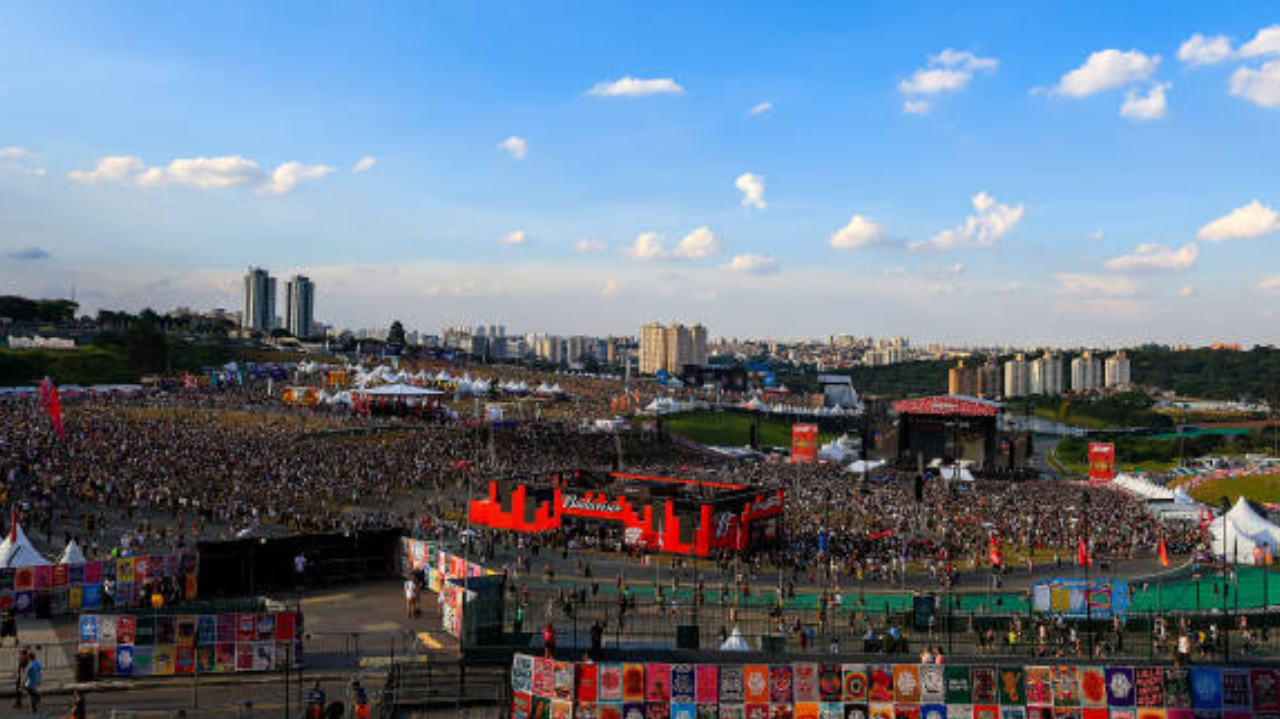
point(1098, 235)
point(991, 221)
point(21, 160)
point(289, 175)
point(1271, 285)
point(648, 247)
point(947, 71)
point(698, 244)
point(1187, 290)
point(636, 87)
point(1156, 257)
point(516, 146)
point(1151, 106)
point(1012, 287)
point(944, 288)
point(752, 264)
point(1107, 70)
point(515, 237)
point(1260, 86)
point(365, 164)
point(760, 108)
point(1095, 285)
point(609, 288)
point(1201, 50)
point(205, 173)
point(916, 107)
point(108, 169)
point(752, 187)
point(588, 244)
point(1266, 42)
point(945, 273)
point(860, 232)
point(1243, 223)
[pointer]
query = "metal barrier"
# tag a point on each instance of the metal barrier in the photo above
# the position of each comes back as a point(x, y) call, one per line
point(1142, 635)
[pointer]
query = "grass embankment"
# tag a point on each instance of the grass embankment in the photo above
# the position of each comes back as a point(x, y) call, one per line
point(1263, 488)
point(730, 429)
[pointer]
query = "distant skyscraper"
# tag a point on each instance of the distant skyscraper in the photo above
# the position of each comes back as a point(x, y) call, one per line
point(1117, 370)
point(1086, 372)
point(669, 349)
point(1017, 377)
point(299, 306)
point(259, 301)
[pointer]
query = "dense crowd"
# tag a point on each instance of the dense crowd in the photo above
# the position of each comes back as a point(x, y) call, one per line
point(167, 468)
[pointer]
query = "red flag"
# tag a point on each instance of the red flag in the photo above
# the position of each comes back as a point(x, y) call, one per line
point(50, 402)
point(1082, 554)
point(997, 556)
point(1164, 553)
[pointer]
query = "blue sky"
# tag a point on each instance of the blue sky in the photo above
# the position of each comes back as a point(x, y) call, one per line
point(1077, 153)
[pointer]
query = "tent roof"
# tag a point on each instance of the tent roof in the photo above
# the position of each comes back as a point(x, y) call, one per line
point(18, 551)
point(400, 390)
point(72, 554)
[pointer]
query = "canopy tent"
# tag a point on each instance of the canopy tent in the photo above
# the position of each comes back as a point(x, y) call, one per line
point(1143, 488)
point(736, 642)
point(859, 466)
point(1238, 532)
point(399, 391)
point(1180, 496)
point(72, 554)
point(17, 550)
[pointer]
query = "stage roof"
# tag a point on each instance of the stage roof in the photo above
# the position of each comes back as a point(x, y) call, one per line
point(944, 406)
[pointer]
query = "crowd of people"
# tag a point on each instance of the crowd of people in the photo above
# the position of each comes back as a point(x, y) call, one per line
point(162, 470)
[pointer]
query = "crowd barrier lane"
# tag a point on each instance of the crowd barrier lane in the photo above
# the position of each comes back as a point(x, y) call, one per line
point(653, 626)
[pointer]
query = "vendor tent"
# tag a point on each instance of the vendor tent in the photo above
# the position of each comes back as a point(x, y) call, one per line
point(1238, 532)
point(736, 642)
point(18, 551)
point(72, 554)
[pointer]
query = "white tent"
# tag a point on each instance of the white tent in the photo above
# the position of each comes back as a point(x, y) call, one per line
point(72, 554)
point(1180, 496)
point(736, 642)
point(18, 551)
point(400, 391)
point(859, 466)
point(1143, 488)
point(1237, 533)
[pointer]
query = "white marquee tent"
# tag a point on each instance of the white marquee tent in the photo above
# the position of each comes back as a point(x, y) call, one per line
point(1240, 530)
point(18, 551)
point(72, 554)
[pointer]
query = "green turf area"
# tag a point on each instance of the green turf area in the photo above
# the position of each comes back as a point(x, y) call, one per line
point(1264, 488)
point(730, 429)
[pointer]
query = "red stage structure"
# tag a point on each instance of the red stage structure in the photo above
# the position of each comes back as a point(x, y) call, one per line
point(679, 516)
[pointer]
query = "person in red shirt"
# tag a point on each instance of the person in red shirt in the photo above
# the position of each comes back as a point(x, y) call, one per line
point(549, 640)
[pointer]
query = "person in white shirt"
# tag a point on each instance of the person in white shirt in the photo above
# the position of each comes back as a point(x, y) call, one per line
point(411, 597)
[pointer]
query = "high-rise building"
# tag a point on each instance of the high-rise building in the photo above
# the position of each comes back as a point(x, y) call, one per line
point(669, 349)
point(963, 380)
point(1086, 372)
point(259, 301)
point(1017, 377)
point(299, 306)
point(989, 380)
point(1046, 375)
point(1117, 370)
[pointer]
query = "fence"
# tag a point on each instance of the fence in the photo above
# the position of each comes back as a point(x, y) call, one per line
point(958, 631)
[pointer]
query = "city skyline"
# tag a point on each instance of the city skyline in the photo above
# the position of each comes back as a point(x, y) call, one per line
point(1077, 175)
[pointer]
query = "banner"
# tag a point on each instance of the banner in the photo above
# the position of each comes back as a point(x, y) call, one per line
point(129, 645)
point(1102, 461)
point(545, 688)
point(72, 587)
point(804, 443)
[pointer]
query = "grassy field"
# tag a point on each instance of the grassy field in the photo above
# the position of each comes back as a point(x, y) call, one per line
point(730, 429)
point(1082, 468)
point(1264, 488)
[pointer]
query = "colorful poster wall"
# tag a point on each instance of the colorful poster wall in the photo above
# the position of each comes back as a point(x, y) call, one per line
point(547, 688)
point(150, 645)
point(440, 566)
point(71, 588)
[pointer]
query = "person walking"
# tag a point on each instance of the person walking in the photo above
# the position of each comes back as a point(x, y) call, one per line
point(77, 708)
point(32, 680)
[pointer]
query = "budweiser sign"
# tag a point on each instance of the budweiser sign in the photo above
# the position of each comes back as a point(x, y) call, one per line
point(572, 502)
